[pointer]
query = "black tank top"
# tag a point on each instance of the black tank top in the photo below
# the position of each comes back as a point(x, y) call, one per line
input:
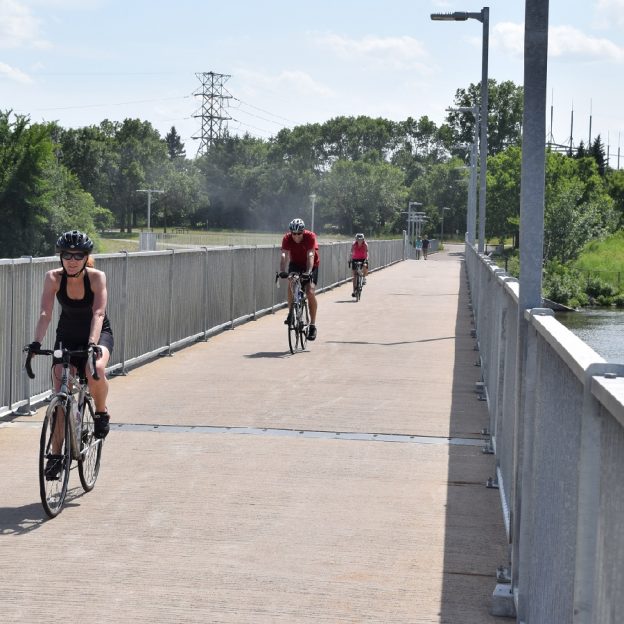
point(76, 315)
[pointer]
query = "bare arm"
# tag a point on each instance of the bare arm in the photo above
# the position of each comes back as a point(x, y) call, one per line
point(284, 260)
point(50, 288)
point(310, 260)
point(100, 298)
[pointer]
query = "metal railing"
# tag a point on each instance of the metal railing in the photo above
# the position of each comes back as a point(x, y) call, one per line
point(556, 411)
point(158, 301)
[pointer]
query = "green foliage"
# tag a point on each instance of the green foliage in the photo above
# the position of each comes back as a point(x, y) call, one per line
point(563, 286)
point(505, 108)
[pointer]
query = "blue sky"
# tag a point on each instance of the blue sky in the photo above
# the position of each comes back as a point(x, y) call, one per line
point(82, 61)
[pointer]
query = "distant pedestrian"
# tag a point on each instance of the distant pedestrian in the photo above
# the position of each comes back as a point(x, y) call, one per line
point(418, 247)
point(425, 246)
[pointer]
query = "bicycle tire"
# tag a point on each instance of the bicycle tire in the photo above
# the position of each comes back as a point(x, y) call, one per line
point(293, 336)
point(303, 325)
point(54, 491)
point(358, 288)
point(90, 449)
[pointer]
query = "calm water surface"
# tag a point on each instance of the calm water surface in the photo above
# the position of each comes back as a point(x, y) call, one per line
point(602, 329)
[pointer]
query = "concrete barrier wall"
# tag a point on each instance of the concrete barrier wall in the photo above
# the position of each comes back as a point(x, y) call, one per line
point(157, 301)
point(557, 428)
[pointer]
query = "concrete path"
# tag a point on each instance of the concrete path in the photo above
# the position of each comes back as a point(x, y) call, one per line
point(344, 484)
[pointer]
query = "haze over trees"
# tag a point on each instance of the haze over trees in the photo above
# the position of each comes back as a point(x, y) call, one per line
point(363, 171)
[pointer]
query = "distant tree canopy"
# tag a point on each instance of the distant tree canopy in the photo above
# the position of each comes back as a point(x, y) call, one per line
point(363, 172)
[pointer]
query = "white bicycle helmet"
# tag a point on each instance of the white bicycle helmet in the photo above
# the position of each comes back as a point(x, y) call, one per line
point(296, 226)
point(359, 236)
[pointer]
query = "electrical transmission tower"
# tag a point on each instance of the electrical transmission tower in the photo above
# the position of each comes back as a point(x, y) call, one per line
point(211, 111)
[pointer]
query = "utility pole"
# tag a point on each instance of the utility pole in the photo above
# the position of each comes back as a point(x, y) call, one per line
point(211, 110)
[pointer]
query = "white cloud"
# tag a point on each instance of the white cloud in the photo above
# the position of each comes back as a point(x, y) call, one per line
point(285, 82)
point(610, 13)
point(398, 52)
point(509, 36)
point(569, 43)
point(565, 43)
point(14, 74)
point(18, 27)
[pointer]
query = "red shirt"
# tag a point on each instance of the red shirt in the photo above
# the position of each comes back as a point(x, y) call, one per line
point(359, 252)
point(299, 250)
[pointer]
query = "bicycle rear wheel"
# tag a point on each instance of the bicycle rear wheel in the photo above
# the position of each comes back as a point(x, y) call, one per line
point(90, 449)
point(54, 448)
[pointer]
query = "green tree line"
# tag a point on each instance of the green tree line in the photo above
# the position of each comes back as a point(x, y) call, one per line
point(362, 170)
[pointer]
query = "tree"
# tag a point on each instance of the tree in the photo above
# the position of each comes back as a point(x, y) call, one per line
point(363, 196)
point(175, 147)
point(505, 109)
point(597, 152)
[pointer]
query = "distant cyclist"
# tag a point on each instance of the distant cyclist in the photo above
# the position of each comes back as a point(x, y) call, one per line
point(359, 253)
point(81, 292)
point(300, 255)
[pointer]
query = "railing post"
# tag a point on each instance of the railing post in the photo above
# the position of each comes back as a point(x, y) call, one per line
point(205, 292)
point(170, 323)
point(124, 314)
point(231, 288)
point(27, 408)
point(589, 495)
point(255, 264)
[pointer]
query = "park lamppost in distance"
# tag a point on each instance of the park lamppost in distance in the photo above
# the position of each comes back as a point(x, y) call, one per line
point(484, 17)
point(313, 200)
point(149, 203)
point(442, 223)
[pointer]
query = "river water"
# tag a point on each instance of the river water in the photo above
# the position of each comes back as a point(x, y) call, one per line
point(601, 328)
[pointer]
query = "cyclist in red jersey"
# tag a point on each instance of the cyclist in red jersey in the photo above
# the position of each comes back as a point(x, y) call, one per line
point(300, 255)
point(359, 253)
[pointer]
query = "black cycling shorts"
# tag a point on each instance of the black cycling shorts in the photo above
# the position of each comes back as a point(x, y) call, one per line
point(297, 268)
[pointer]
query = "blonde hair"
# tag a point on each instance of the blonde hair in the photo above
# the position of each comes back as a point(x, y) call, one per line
point(90, 261)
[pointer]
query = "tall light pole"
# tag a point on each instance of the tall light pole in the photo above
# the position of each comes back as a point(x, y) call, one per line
point(313, 200)
point(484, 17)
point(471, 215)
point(442, 223)
point(149, 203)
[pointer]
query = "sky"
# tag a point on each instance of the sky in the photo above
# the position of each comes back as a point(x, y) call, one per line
point(292, 62)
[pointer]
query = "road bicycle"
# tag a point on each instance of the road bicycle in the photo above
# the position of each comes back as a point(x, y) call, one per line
point(358, 267)
point(67, 432)
point(299, 316)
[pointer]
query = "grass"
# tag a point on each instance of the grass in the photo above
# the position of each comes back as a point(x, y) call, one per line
point(604, 259)
point(113, 242)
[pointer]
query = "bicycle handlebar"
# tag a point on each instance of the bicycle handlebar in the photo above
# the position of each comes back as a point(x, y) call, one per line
point(62, 354)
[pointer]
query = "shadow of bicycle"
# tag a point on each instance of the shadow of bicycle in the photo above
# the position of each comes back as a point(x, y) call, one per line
point(27, 518)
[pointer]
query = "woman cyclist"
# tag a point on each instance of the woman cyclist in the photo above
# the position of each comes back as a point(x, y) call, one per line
point(81, 292)
point(359, 253)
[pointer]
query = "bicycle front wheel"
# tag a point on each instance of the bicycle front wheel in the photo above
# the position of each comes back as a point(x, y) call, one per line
point(90, 449)
point(358, 288)
point(292, 328)
point(303, 323)
point(54, 458)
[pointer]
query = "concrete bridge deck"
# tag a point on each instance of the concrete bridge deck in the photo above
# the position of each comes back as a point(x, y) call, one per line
point(242, 484)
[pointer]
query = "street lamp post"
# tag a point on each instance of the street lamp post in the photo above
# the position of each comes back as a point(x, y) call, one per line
point(471, 215)
point(313, 200)
point(484, 17)
point(442, 224)
point(149, 203)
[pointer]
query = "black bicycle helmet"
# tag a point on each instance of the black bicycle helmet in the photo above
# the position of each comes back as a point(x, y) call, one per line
point(74, 241)
point(296, 226)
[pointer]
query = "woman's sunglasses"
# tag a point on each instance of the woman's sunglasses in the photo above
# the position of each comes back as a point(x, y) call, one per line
point(66, 255)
